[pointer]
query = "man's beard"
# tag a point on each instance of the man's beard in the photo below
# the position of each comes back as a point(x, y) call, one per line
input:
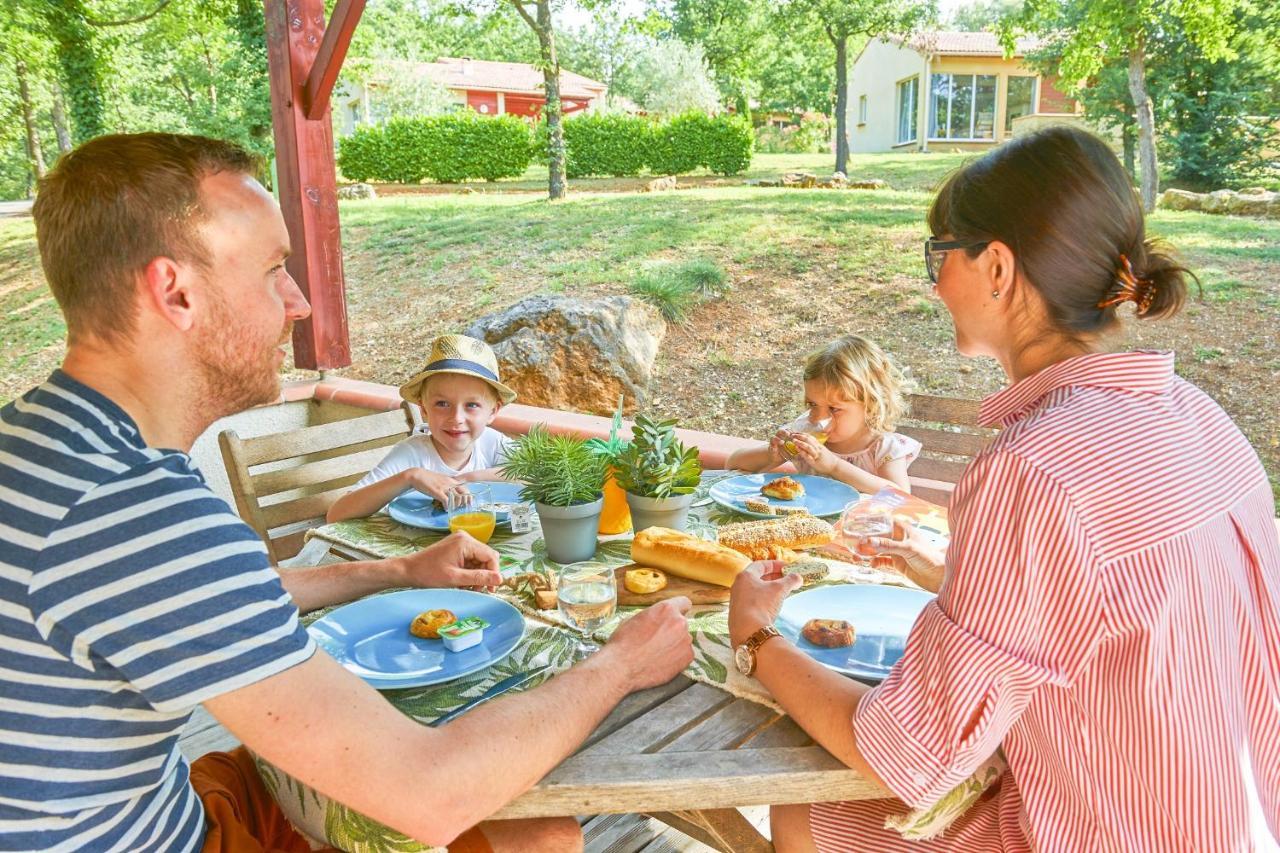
point(237, 372)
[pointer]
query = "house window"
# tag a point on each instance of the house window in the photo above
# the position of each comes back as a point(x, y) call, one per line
point(962, 106)
point(862, 109)
point(908, 95)
point(1020, 99)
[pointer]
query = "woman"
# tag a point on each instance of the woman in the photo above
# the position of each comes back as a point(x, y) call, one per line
point(1109, 611)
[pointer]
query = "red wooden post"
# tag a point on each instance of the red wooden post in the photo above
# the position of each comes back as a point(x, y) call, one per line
point(305, 172)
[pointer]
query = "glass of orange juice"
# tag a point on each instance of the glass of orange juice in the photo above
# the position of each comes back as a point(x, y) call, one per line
point(471, 509)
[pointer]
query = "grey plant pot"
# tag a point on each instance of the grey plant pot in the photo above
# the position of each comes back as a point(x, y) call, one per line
point(570, 531)
point(672, 512)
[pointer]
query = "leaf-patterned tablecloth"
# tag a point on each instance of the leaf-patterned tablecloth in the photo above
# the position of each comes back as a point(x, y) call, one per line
point(549, 641)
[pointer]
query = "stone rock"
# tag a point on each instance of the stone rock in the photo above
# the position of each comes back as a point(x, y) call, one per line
point(1254, 201)
point(575, 354)
point(1216, 201)
point(1252, 204)
point(660, 184)
point(839, 176)
point(868, 184)
point(1179, 200)
point(351, 191)
point(768, 183)
point(803, 180)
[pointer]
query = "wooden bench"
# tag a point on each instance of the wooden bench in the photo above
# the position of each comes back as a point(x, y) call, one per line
point(948, 430)
point(284, 483)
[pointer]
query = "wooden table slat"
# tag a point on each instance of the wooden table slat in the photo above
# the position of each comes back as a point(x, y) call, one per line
point(726, 728)
point(660, 725)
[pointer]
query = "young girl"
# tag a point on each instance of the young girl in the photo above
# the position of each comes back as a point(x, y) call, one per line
point(853, 393)
point(460, 395)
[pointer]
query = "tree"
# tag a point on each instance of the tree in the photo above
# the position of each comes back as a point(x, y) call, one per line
point(669, 77)
point(539, 20)
point(983, 14)
point(736, 38)
point(80, 65)
point(841, 20)
point(1091, 33)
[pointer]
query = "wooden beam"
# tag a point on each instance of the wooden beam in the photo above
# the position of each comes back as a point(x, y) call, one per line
point(328, 61)
point(306, 183)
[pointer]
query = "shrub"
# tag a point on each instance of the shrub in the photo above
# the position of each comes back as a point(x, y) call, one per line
point(447, 148)
point(811, 135)
point(721, 143)
point(606, 145)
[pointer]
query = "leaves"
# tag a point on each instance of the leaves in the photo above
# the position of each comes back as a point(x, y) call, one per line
point(656, 464)
point(557, 470)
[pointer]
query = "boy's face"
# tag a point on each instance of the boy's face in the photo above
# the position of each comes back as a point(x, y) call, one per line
point(457, 409)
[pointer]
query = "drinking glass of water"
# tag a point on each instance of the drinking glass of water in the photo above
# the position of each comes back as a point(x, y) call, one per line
point(862, 520)
point(587, 597)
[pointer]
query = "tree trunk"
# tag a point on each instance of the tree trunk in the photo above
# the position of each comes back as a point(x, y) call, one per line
point(59, 113)
point(841, 42)
point(552, 109)
point(35, 158)
point(79, 64)
point(1129, 138)
point(1146, 126)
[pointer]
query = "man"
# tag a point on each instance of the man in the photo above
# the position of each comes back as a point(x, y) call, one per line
point(129, 593)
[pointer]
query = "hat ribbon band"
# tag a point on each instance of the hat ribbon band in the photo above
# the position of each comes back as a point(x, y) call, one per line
point(462, 364)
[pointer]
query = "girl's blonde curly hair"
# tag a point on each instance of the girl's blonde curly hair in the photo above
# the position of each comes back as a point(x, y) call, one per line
point(862, 372)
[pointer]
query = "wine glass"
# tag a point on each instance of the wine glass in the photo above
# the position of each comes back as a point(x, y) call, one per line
point(471, 509)
point(861, 520)
point(587, 596)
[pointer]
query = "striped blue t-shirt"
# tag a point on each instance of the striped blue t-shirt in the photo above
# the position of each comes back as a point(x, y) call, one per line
point(129, 594)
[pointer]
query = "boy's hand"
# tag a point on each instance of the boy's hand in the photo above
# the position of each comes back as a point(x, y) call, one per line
point(815, 455)
point(432, 483)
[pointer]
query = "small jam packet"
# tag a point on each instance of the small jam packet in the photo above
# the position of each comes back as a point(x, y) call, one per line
point(463, 634)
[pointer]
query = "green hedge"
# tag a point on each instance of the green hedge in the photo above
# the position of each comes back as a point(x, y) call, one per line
point(606, 145)
point(720, 143)
point(448, 148)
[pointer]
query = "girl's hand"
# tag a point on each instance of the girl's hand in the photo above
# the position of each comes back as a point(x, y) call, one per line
point(777, 454)
point(913, 557)
point(815, 455)
point(434, 484)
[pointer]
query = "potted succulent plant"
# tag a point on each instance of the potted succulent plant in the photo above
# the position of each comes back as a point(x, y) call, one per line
point(565, 479)
point(616, 515)
point(659, 475)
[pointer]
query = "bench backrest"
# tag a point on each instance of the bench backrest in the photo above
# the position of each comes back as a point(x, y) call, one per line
point(948, 429)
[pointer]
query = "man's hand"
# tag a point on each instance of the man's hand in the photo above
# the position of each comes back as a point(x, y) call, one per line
point(654, 646)
point(756, 598)
point(455, 561)
point(815, 454)
point(432, 483)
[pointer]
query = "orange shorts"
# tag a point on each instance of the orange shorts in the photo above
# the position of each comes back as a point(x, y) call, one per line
point(241, 817)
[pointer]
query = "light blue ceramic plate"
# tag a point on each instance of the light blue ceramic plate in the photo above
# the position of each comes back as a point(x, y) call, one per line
point(881, 616)
point(418, 510)
point(371, 637)
point(822, 496)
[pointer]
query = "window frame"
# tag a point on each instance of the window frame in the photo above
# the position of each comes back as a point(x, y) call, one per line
point(973, 106)
point(862, 110)
point(913, 86)
point(1035, 98)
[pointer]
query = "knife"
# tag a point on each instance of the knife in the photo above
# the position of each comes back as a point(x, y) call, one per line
point(509, 683)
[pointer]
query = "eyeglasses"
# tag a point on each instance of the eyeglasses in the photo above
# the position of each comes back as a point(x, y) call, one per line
point(935, 252)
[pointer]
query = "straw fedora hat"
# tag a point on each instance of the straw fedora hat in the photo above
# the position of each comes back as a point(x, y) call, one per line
point(458, 354)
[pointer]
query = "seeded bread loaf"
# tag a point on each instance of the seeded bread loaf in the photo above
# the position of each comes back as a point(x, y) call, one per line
point(754, 538)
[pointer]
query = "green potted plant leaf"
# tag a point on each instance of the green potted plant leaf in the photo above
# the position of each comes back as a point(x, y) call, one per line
point(659, 475)
point(565, 480)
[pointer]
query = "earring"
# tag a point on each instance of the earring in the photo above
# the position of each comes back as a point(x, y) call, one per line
point(995, 294)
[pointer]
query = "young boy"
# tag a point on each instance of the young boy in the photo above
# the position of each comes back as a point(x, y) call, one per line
point(460, 395)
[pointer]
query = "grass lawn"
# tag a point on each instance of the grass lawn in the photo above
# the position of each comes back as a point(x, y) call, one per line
point(802, 266)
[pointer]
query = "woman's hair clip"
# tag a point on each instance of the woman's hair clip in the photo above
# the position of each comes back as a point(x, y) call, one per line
point(1140, 291)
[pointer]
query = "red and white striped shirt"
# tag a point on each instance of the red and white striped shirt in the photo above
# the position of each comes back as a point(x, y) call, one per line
point(1110, 616)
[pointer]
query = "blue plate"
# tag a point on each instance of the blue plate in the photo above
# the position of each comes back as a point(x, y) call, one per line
point(371, 637)
point(881, 616)
point(822, 496)
point(418, 510)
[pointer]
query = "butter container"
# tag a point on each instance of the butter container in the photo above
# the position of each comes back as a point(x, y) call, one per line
point(463, 634)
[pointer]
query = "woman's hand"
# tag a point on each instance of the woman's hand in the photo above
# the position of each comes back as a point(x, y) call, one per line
point(434, 484)
point(756, 598)
point(913, 556)
point(814, 454)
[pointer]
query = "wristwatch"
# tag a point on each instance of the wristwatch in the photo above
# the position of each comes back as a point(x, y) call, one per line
point(744, 656)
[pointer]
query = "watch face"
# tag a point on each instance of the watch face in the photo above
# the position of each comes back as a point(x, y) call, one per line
point(743, 659)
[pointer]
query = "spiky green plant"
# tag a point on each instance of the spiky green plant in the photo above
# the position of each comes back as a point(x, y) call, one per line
point(655, 464)
point(557, 470)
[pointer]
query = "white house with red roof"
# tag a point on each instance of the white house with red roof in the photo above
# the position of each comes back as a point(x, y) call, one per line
point(489, 88)
point(948, 90)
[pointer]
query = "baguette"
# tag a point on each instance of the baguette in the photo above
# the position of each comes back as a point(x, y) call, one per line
point(687, 556)
point(755, 538)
